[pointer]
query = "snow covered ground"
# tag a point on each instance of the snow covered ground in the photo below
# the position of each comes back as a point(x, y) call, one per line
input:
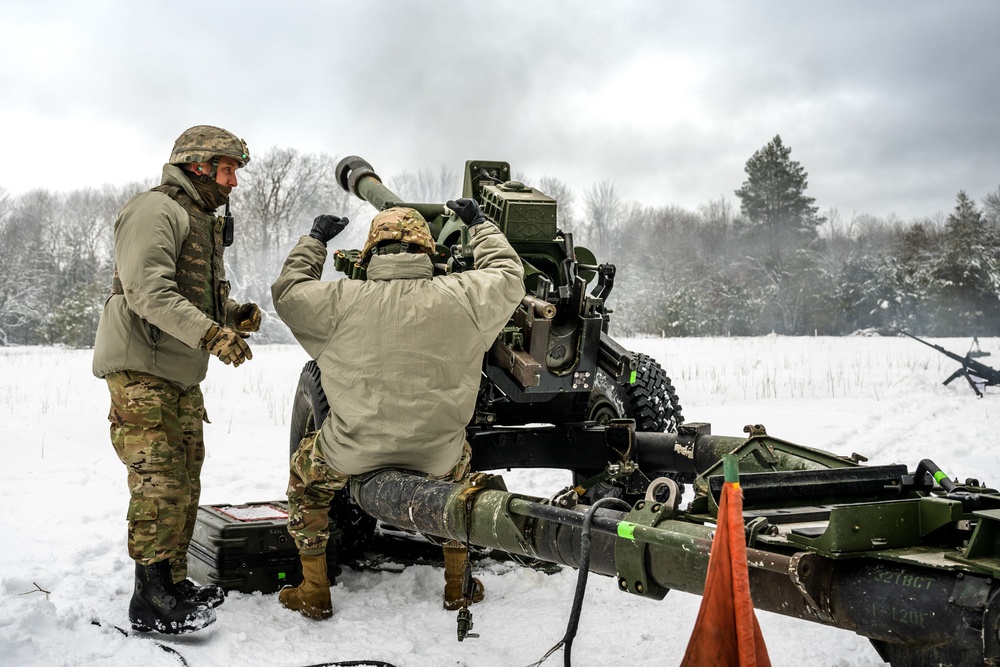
point(64, 498)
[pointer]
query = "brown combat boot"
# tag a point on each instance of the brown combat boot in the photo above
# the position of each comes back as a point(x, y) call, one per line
point(312, 597)
point(456, 559)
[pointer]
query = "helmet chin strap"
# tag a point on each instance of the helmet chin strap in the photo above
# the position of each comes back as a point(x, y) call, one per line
point(212, 173)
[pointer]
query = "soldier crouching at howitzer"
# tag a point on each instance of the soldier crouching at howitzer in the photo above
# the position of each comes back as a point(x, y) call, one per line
point(169, 309)
point(399, 396)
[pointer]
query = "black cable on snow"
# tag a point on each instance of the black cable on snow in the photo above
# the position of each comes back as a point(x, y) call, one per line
point(581, 583)
point(166, 648)
point(173, 652)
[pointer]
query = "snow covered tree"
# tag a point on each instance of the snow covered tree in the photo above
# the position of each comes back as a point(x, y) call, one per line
point(73, 322)
point(991, 207)
point(966, 272)
point(280, 193)
point(27, 267)
point(780, 239)
point(602, 211)
point(427, 186)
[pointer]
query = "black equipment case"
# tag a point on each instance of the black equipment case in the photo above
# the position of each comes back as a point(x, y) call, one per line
point(246, 548)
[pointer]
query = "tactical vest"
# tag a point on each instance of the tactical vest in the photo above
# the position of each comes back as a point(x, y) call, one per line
point(200, 273)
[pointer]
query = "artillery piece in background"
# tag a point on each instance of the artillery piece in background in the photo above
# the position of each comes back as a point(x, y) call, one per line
point(555, 362)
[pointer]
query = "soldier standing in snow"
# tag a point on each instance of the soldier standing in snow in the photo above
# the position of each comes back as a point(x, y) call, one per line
point(401, 358)
point(169, 310)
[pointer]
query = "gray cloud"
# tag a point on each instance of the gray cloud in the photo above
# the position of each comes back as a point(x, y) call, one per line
point(889, 106)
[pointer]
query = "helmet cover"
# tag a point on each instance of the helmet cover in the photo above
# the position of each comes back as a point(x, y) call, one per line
point(400, 225)
point(202, 143)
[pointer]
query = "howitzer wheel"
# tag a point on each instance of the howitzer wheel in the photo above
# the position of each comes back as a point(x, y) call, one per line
point(310, 407)
point(651, 400)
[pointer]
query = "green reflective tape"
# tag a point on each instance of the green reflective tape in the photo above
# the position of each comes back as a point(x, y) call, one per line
point(626, 529)
point(730, 468)
point(631, 378)
point(939, 475)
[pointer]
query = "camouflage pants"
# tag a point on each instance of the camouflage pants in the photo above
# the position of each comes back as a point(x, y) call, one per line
point(312, 484)
point(156, 430)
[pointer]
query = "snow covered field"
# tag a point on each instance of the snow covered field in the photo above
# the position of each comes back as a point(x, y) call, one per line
point(64, 499)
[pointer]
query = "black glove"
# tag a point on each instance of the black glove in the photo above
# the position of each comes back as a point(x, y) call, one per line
point(467, 210)
point(325, 227)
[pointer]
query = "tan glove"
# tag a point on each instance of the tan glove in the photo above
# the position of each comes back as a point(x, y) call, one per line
point(227, 344)
point(247, 318)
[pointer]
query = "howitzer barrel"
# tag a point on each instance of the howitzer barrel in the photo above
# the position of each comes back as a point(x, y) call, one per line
point(356, 176)
point(940, 349)
point(914, 615)
point(984, 375)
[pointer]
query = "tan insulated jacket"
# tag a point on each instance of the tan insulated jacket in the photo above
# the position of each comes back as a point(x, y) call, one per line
point(400, 353)
point(152, 328)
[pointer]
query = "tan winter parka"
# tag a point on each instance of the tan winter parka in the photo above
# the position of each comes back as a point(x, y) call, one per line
point(401, 352)
point(152, 328)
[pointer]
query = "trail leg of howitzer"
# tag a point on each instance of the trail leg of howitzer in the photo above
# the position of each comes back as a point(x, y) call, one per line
point(913, 615)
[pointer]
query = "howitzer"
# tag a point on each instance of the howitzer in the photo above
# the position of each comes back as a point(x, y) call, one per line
point(882, 551)
point(554, 362)
point(970, 369)
point(907, 558)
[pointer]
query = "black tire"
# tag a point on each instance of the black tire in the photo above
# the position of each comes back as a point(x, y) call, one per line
point(651, 400)
point(309, 408)
point(604, 404)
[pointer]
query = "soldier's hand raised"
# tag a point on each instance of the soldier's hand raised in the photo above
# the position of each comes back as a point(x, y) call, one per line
point(326, 226)
point(467, 210)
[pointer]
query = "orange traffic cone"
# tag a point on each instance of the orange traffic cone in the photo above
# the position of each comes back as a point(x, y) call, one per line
point(726, 633)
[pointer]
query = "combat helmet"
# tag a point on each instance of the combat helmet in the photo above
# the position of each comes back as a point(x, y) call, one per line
point(400, 225)
point(203, 143)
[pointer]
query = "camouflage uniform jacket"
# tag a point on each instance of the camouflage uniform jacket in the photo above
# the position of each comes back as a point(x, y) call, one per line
point(152, 327)
point(400, 353)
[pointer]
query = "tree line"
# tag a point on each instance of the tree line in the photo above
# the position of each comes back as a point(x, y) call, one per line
point(766, 262)
point(776, 265)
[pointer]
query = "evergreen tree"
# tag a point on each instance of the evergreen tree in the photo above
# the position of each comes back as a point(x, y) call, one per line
point(966, 272)
point(874, 291)
point(780, 240)
point(991, 207)
point(773, 196)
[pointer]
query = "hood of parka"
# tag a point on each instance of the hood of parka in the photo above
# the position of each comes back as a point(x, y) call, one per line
point(404, 266)
point(209, 195)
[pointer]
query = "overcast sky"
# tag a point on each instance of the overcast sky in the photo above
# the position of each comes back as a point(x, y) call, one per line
point(891, 107)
